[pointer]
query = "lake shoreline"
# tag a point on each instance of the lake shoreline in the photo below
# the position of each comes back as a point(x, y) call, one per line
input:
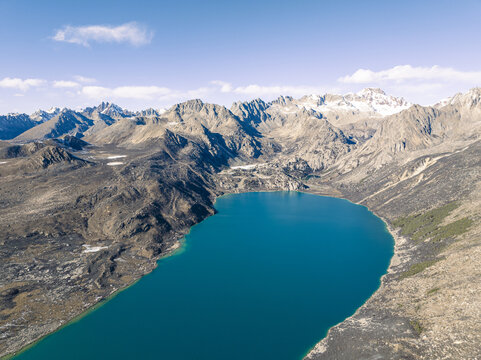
point(394, 261)
point(177, 247)
point(404, 253)
point(173, 250)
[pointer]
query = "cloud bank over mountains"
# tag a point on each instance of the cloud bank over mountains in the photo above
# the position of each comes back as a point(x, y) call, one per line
point(402, 73)
point(408, 81)
point(419, 83)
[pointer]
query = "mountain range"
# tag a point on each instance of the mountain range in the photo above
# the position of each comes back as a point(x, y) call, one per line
point(346, 130)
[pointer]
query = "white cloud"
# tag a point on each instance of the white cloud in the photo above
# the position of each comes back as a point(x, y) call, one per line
point(255, 90)
point(84, 80)
point(214, 92)
point(260, 90)
point(201, 92)
point(424, 85)
point(65, 84)
point(131, 33)
point(141, 92)
point(225, 87)
point(126, 92)
point(95, 92)
point(403, 73)
point(416, 89)
point(21, 84)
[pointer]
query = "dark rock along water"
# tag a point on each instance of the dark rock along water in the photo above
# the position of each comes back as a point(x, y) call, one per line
point(265, 278)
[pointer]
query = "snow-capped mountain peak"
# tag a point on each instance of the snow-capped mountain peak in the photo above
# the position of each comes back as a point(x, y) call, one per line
point(369, 92)
point(53, 110)
point(371, 101)
point(109, 109)
point(45, 115)
point(377, 101)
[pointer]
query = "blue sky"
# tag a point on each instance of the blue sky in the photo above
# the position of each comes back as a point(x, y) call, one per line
point(145, 53)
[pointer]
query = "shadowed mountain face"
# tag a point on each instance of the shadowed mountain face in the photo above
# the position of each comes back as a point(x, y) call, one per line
point(12, 125)
point(67, 122)
point(90, 199)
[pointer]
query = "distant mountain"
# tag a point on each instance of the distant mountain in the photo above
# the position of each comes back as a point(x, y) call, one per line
point(470, 99)
point(367, 102)
point(464, 113)
point(369, 105)
point(44, 115)
point(150, 112)
point(12, 125)
point(108, 109)
point(376, 100)
point(368, 127)
point(213, 126)
point(67, 122)
point(57, 122)
point(253, 112)
point(298, 131)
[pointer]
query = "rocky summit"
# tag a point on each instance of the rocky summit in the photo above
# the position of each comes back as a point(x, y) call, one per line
point(91, 199)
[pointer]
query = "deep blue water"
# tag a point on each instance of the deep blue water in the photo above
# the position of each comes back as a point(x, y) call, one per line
point(265, 278)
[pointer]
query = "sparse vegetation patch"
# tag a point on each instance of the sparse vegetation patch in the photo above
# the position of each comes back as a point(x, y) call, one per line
point(420, 227)
point(417, 268)
point(417, 326)
point(433, 291)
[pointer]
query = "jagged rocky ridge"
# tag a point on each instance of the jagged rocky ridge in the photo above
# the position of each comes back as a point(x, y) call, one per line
point(90, 199)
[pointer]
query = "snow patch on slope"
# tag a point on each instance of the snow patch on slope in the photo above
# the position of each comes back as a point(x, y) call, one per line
point(92, 249)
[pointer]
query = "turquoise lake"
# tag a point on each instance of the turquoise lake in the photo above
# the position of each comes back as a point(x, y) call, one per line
point(265, 278)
